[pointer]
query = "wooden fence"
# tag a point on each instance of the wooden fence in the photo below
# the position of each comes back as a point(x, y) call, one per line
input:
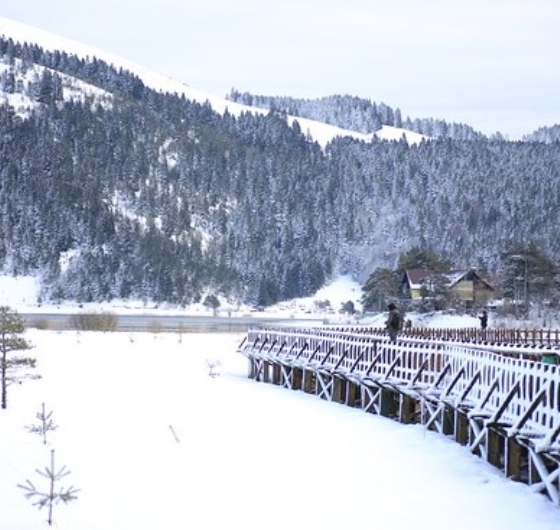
point(500, 401)
point(535, 337)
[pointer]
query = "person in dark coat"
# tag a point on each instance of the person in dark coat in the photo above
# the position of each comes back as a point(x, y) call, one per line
point(394, 322)
point(484, 319)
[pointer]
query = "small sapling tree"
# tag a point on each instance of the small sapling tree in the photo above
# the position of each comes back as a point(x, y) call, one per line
point(44, 425)
point(52, 496)
point(213, 367)
point(11, 329)
point(181, 331)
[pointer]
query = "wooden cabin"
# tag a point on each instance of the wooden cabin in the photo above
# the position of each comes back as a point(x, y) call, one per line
point(465, 285)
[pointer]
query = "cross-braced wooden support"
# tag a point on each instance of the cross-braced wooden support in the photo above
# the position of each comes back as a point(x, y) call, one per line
point(508, 413)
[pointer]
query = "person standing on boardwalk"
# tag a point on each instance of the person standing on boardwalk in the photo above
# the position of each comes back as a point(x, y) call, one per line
point(394, 322)
point(484, 319)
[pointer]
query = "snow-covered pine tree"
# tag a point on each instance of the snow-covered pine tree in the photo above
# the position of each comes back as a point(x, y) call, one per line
point(51, 497)
point(45, 424)
point(11, 329)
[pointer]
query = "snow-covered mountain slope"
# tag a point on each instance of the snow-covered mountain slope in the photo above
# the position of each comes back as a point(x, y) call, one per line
point(72, 89)
point(322, 133)
point(395, 133)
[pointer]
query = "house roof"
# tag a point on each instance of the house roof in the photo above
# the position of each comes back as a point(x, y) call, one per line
point(458, 275)
point(416, 277)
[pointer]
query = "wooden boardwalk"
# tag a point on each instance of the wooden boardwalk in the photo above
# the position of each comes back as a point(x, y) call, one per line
point(500, 401)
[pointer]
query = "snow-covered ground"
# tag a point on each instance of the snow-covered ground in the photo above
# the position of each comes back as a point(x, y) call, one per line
point(153, 441)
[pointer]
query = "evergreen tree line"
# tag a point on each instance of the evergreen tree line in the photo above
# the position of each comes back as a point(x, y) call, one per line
point(144, 195)
point(544, 134)
point(355, 114)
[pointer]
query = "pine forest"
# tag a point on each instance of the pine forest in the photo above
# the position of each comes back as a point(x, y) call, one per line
point(109, 189)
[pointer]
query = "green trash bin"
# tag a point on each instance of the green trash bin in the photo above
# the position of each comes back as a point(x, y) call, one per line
point(549, 358)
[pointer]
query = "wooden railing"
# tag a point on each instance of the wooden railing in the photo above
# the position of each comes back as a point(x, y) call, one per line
point(498, 382)
point(536, 337)
point(500, 398)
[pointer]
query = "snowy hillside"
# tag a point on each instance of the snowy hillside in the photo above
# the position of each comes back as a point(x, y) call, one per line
point(320, 132)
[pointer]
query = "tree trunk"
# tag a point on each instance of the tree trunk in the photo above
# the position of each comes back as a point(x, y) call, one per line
point(4, 382)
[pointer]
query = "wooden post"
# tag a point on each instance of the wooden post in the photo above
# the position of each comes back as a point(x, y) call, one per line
point(297, 378)
point(309, 381)
point(514, 458)
point(266, 372)
point(448, 420)
point(461, 428)
point(389, 403)
point(494, 449)
point(407, 409)
point(353, 397)
point(339, 389)
point(276, 374)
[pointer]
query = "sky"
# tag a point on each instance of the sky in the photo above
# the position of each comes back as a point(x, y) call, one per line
point(491, 64)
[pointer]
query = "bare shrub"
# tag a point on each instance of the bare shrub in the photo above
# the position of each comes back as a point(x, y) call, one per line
point(155, 327)
point(40, 323)
point(103, 321)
